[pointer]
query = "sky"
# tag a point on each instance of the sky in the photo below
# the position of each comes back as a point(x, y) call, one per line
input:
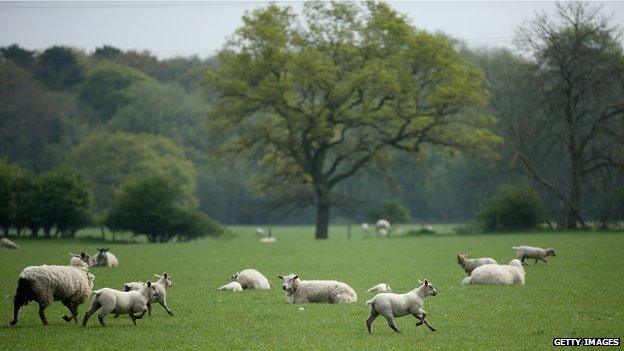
point(185, 28)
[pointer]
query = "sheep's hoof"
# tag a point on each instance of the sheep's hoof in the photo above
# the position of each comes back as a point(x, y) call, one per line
point(12, 323)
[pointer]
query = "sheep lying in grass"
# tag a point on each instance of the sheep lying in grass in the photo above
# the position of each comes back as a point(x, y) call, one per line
point(469, 265)
point(536, 253)
point(251, 279)
point(329, 291)
point(82, 260)
point(231, 286)
point(380, 288)
point(392, 305)
point(105, 259)
point(121, 302)
point(4, 242)
point(164, 282)
point(497, 274)
point(45, 284)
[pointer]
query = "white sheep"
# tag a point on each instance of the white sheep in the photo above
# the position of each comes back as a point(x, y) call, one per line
point(251, 279)
point(268, 240)
point(231, 286)
point(536, 253)
point(121, 302)
point(383, 227)
point(392, 305)
point(469, 265)
point(45, 284)
point(497, 274)
point(105, 259)
point(380, 288)
point(5, 242)
point(328, 291)
point(260, 232)
point(82, 260)
point(365, 229)
point(164, 282)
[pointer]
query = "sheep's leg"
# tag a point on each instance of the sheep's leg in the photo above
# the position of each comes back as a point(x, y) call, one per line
point(42, 315)
point(95, 305)
point(163, 303)
point(543, 259)
point(369, 322)
point(392, 324)
point(133, 318)
point(75, 312)
point(67, 318)
point(17, 304)
point(149, 308)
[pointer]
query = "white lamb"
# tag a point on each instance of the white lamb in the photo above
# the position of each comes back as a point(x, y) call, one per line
point(497, 274)
point(328, 291)
point(469, 265)
point(45, 284)
point(105, 259)
point(121, 302)
point(536, 253)
point(392, 305)
point(161, 285)
point(251, 279)
point(231, 286)
point(82, 260)
point(5, 242)
point(383, 227)
point(380, 288)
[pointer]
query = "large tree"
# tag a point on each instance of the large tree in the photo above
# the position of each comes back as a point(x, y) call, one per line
point(316, 99)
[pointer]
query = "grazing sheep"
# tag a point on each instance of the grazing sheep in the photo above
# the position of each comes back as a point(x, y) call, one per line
point(251, 279)
point(82, 261)
point(392, 305)
point(231, 286)
point(536, 253)
point(497, 274)
point(164, 282)
point(383, 227)
point(105, 259)
point(121, 302)
point(380, 288)
point(45, 284)
point(4, 242)
point(469, 265)
point(329, 291)
point(365, 229)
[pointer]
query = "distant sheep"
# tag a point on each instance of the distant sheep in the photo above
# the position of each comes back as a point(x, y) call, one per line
point(536, 253)
point(328, 291)
point(82, 260)
point(365, 229)
point(469, 265)
point(231, 286)
point(268, 240)
point(383, 227)
point(380, 288)
point(497, 274)
point(161, 285)
point(251, 279)
point(45, 284)
point(105, 259)
point(5, 242)
point(260, 232)
point(121, 302)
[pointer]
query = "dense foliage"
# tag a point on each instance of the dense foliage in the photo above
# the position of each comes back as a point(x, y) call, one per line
point(512, 208)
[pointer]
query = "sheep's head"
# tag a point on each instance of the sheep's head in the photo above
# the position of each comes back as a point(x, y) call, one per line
point(289, 282)
point(234, 277)
point(166, 280)
point(388, 288)
point(429, 289)
point(461, 258)
point(88, 260)
point(516, 263)
point(152, 291)
point(550, 252)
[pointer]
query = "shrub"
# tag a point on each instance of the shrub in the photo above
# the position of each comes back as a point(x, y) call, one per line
point(512, 208)
point(392, 210)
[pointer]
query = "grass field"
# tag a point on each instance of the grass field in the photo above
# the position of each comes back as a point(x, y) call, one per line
point(580, 294)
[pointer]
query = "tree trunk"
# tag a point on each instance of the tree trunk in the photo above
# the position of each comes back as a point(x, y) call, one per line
point(573, 215)
point(322, 213)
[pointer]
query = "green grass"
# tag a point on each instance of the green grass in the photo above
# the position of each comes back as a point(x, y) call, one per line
point(580, 294)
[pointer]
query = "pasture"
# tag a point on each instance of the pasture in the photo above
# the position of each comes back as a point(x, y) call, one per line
point(580, 294)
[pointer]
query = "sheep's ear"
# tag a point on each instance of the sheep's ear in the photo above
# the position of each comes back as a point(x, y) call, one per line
point(296, 277)
point(165, 275)
point(83, 255)
point(426, 282)
point(149, 283)
point(279, 276)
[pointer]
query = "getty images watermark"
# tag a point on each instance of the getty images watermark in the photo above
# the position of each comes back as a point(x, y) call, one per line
point(586, 341)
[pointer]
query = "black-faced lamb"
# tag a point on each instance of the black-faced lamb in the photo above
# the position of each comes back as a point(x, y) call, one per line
point(121, 302)
point(45, 284)
point(5, 242)
point(164, 282)
point(392, 305)
point(536, 253)
point(469, 265)
point(251, 279)
point(104, 258)
point(497, 274)
point(328, 291)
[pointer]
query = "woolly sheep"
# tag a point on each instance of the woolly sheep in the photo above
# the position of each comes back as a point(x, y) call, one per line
point(365, 229)
point(392, 305)
point(497, 274)
point(4, 242)
point(469, 265)
point(536, 253)
point(231, 286)
point(45, 284)
point(121, 302)
point(251, 279)
point(383, 227)
point(329, 291)
point(105, 259)
point(380, 288)
point(164, 282)
point(82, 260)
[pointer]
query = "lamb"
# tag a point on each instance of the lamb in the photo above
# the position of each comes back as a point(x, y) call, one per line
point(536, 253)
point(82, 261)
point(45, 284)
point(469, 265)
point(328, 291)
point(497, 274)
point(392, 305)
point(383, 227)
point(164, 282)
point(380, 288)
point(105, 259)
point(231, 286)
point(251, 279)
point(365, 229)
point(4, 242)
point(121, 302)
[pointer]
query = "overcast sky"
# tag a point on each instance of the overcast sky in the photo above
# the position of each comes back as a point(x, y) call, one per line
point(185, 28)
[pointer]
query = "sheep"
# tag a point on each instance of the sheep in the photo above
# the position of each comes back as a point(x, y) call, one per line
point(251, 279)
point(365, 229)
point(328, 291)
point(82, 261)
point(536, 253)
point(497, 274)
point(231, 286)
point(121, 302)
point(260, 232)
point(392, 305)
point(383, 227)
point(105, 259)
point(45, 284)
point(4, 242)
point(380, 288)
point(470, 264)
point(268, 240)
point(164, 282)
